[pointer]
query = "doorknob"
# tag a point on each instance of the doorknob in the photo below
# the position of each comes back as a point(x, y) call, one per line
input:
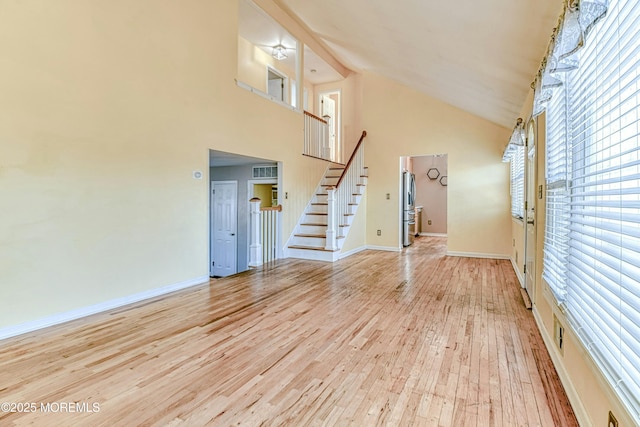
point(233, 234)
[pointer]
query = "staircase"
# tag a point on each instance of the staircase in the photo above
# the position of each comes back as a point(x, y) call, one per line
point(340, 191)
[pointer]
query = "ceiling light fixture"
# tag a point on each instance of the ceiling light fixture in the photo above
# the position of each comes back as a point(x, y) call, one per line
point(279, 52)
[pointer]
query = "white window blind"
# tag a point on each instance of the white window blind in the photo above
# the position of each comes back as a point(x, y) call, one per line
point(556, 232)
point(517, 182)
point(603, 278)
point(592, 235)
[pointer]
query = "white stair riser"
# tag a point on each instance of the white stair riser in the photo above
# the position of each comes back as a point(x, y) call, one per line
point(320, 230)
point(329, 181)
point(312, 229)
point(319, 208)
point(315, 219)
point(320, 198)
point(309, 241)
point(313, 255)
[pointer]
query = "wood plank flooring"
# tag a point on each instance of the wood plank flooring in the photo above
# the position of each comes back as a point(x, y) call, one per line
point(379, 338)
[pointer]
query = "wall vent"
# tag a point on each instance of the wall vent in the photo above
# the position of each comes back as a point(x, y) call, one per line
point(265, 171)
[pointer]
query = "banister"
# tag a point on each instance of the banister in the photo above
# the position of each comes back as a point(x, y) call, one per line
point(306, 113)
point(272, 208)
point(353, 154)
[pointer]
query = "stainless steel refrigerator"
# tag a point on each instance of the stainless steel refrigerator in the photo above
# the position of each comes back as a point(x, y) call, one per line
point(408, 208)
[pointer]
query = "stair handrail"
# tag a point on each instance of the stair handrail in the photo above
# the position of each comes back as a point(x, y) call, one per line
point(317, 142)
point(320, 119)
point(340, 198)
point(353, 155)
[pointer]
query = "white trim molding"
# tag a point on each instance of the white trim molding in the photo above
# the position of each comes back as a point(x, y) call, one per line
point(383, 248)
point(477, 255)
point(518, 272)
point(78, 313)
point(434, 234)
point(352, 252)
point(572, 394)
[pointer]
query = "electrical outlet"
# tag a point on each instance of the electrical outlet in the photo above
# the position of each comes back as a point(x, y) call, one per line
point(558, 333)
point(379, 233)
point(388, 196)
point(613, 422)
point(429, 222)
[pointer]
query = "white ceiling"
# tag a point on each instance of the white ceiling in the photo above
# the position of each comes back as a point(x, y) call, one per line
point(480, 56)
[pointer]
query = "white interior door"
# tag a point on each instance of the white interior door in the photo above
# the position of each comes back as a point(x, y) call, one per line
point(224, 228)
point(328, 112)
point(530, 214)
point(276, 85)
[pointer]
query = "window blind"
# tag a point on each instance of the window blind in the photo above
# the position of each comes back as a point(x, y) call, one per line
point(603, 257)
point(517, 182)
point(556, 233)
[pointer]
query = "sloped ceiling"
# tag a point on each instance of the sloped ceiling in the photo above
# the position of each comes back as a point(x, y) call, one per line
point(480, 56)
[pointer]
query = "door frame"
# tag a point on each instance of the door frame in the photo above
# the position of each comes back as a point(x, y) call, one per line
point(530, 219)
point(211, 222)
point(276, 181)
point(338, 119)
point(285, 85)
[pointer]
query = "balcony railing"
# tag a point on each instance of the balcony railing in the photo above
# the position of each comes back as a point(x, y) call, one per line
point(318, 142)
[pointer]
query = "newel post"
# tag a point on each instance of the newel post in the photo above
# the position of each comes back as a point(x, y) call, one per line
point(255, 245)
point(331, 220)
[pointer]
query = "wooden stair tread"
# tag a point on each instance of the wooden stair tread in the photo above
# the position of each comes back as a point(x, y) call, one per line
point(311, 248)
point(315, 213)
point(319, 236)
point(314, 224)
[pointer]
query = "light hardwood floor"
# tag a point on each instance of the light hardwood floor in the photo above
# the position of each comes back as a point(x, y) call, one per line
point(379, 338)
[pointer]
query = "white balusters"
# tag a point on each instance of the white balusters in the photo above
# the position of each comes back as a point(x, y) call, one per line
point(255, 243)
point(331, 244)
point(348, 188)
point(317, 140)
point(264, 232)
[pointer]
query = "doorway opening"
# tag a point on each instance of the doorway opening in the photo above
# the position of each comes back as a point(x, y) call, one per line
point(277, 84)
point(245, 171)
point(329, 108)
point(430, 174)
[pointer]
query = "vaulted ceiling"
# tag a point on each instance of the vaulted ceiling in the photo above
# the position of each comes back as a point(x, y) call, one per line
point(480, 56)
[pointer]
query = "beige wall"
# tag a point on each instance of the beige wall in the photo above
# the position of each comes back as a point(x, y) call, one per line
point(403, 122)
point(106, 109)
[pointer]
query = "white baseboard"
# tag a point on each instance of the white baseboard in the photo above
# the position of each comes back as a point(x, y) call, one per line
point(477, 255)
point(518, 273)
point(434, 234)
point(56, 319)
point(352, 252)
point(383, 248)
point(572, 394)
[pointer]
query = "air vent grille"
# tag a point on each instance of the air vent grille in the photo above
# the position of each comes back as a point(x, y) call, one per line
point(265, 171)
